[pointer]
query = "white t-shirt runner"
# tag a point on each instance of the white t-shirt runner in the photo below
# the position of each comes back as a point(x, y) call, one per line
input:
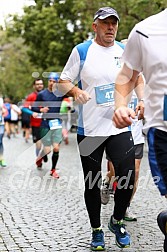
point(97, 77)
point(148, 42)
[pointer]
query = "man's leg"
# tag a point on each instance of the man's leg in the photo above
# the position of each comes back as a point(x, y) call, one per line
point(56, 139)
point(108, 184)
point(91, 164)
point(157, 143)
point(120, 149)
point(129, 216)
point(162, 223)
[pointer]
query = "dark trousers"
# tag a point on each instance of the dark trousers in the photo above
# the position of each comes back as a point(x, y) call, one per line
point(120, 149)
point(157, 143)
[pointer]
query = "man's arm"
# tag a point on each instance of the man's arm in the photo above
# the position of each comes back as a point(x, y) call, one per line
point(38, 105)
point(70, 75)
point(125, 83)
point(66, 87)
point(139, 90)
point(27, 107)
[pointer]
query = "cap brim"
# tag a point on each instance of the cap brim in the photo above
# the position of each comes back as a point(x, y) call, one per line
point(108, 15)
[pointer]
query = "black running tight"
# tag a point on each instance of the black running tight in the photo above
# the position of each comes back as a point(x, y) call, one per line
point(121, 152)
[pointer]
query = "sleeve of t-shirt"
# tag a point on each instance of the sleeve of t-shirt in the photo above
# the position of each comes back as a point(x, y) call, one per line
point(132, 54)
point(72, 67)
point(27, 102)
point(37, 102)
point(16, 108)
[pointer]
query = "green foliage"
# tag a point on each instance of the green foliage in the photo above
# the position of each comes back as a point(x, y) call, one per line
point(132, 12)
point(42, 39)
point(46, 34)
point(53, 27)
point(15, 70)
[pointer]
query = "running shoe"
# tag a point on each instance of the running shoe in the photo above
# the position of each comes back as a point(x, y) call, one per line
point(162, 223)
point(97, 243)
point(129, 216)
point(39, 162)
point(122, 238)
point(66, 140)
point(112, 192)
point(105, 192)
point(39, 167)
point(54, 174)
point(3, 163)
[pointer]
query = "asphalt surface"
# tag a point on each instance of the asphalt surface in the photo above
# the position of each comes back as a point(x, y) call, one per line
point(39, 213)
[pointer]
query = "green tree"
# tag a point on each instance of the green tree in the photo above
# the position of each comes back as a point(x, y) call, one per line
point(44, 29)
point(132, 12)
point(15, 70)
point(43, 37)
point(51, 28)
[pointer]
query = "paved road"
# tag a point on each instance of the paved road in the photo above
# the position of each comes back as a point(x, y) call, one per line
point(38, 213)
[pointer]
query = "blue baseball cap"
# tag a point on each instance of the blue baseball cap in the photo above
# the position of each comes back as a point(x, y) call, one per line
point(54, 76)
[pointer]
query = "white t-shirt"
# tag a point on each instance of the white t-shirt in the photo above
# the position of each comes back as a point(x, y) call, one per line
point(15, 111)
point(97, 77)
point(137, 125)
point(146, 52)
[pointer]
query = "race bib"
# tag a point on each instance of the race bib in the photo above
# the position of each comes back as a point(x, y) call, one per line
point(133, 103)
point(105, 95)
point(55, 124)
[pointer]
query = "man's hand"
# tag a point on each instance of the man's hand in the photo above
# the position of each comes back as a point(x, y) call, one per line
point(81, 96)
point(44, 110)
point(140, 110)
point(35, 114)
point(122, 117)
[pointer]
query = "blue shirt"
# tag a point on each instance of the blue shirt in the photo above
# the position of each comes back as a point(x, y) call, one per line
point(45, 98)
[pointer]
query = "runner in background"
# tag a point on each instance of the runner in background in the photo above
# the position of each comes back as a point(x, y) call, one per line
point(7, 117)
point(51, 126)
point(15, 113)
point(110, 182)
point(65, 112)
point(35, 122)
point(3, 113)
point(25, 124)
